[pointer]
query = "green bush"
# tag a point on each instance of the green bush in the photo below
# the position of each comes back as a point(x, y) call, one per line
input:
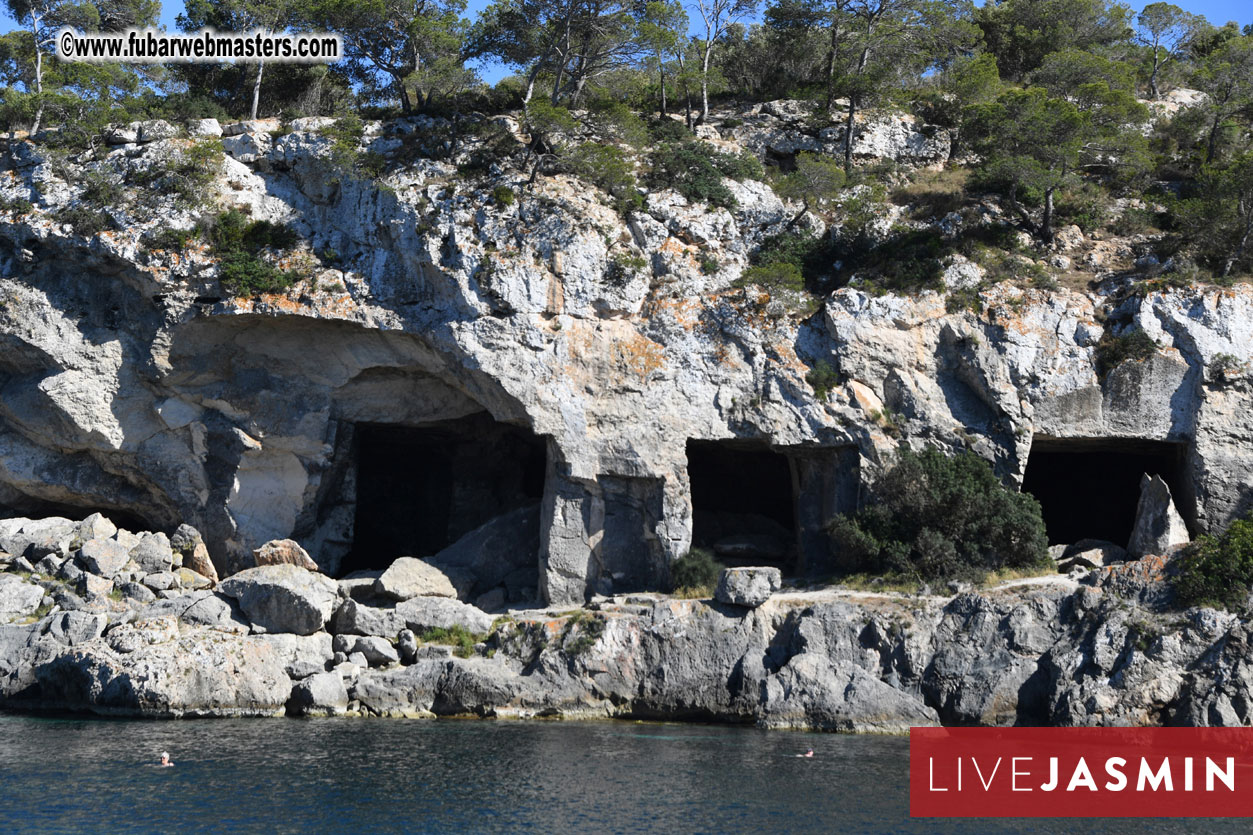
point(605, 167)
point(774, 277)
point(170, 240)
point(237, 242)
point(503, 196)
point(1112, 351)
point(696, 170)
point(697, 569)
point(17, 206)
point(668, 130)
point(1217, 571)
point(101, 192)
point(85, 220)
point(823, 378)
point(935, 517)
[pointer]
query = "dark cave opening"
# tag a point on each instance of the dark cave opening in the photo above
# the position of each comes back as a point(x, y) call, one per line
point(743, 503)
point(420, 489)
point(33, 508)
point(1088, 488)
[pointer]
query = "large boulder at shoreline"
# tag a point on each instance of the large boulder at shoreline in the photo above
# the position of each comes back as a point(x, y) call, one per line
point(409, 577)
point(1158, 526)
point(406, 692)
point(283, 598)
point(811, 692)
point(103, 557)
point(201, 608)
point(749, 586)
point(198, 673)
point(321, 694)
point(423, 613)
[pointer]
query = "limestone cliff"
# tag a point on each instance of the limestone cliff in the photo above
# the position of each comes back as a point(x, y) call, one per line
point(131, 383)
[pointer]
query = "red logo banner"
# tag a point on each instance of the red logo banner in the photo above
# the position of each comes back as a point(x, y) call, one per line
point(1080, 772)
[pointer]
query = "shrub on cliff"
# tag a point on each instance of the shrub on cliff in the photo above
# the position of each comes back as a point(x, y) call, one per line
point(695, 571)
point(697, 169)
point(936, 517)
point(1217, 570)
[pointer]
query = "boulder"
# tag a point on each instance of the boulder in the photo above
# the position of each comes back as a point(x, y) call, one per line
point(423, 613)
point(284, 552)
point(92, 587)
point(407, 646)
point(359, 585)
point(75, 628)
point(153, 553)
point(302, 655)
point(96, 526)
point(137, 592)
point(103, 557)
point(1158, 526)
point(200, 673)
point(321, 694)
point(283, 598)
point(201, 608)
point(410, 577)
point(121, 134)
point(204, 127)
point(18, 598)
point(189, 579)
point(749, 586)
point(161, 580)
point(491, 600)
point(35, 539)
point(356, 618)
point(378, 651)
point(813, 692)
point(1091, 553)
point(506, 545)
point(133, 636)
point(152, 130)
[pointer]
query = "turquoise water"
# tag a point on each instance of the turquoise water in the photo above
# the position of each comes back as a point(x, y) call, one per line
point(76, 775)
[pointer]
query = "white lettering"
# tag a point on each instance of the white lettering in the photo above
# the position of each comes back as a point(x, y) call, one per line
point(1082, 777)
point(1052, 783)
point(1227, 775)
point(987, 784)
point(931, 770)
point(1113, 767)
point(1158, 778)
point(1015, 774)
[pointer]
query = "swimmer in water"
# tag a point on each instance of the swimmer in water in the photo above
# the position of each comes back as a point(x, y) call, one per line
point(808, 753)
point(165, 759)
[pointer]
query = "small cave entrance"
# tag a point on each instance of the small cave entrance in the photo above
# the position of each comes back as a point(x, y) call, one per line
point(743, 503)
point(420, 489)
point(1089, 488)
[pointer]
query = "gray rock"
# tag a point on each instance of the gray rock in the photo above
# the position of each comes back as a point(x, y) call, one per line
point(300, 652)
point(189, 579)
point(491, 601)
point(359, 585)
point(409, 577)
point(284, 552)
point(92, 587)
point(1158, 526)
point(750, 586)
point(377, 651)
point(137, 592)
point(35, 539)
point(18, 598)
point(153, 553)
point(423, 613)
point(283, 598)
point(204, 127)
point(103, 557)
point(405, 692)
point(407, 646)
point(321, 694)
point(508, 544)
point(161, 580)
point(201, 608)
point(354, 618)
point(812, 692)
point(1091, 553)
point(50, 566)
point(155, 129)
point(75, 628)
point(358, 659)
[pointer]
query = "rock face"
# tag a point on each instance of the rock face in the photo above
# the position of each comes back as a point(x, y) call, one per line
point(1158, 526)
point(283, 598)
point(749, 587)
point(602, 345)
point(284, 552)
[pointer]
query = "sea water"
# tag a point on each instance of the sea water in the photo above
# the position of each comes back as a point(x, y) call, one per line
point(359, 775)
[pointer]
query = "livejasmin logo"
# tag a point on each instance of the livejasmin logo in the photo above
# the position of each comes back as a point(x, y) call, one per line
point(1081, 772)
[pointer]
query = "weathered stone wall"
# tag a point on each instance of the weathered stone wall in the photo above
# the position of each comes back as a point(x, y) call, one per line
point(128, 383)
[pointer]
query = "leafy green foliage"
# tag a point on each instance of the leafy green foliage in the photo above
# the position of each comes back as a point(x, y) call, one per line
point(1217, 570)
point(85, 220)
point(696, 170)
point(775, 276)
point(605, 167)
point(934, 517)
point(503, 196)
point(1112, 351)
point(823, 378)
point(697, 569)
point(238, 242)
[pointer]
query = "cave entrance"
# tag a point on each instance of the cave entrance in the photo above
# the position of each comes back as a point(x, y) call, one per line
point(743, 503)
point(420, 489)
point(1088, 488)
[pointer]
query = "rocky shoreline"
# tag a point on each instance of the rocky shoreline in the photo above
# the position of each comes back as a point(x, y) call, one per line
point(90, 636)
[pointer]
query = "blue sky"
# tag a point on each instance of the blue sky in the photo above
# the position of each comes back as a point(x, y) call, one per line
point(1217, 11)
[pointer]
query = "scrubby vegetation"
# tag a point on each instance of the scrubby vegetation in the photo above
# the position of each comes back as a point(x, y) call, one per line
point(461, 639)
point(239, 244)
point(695, 573)
point(935, 517)
point(1217, 570)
